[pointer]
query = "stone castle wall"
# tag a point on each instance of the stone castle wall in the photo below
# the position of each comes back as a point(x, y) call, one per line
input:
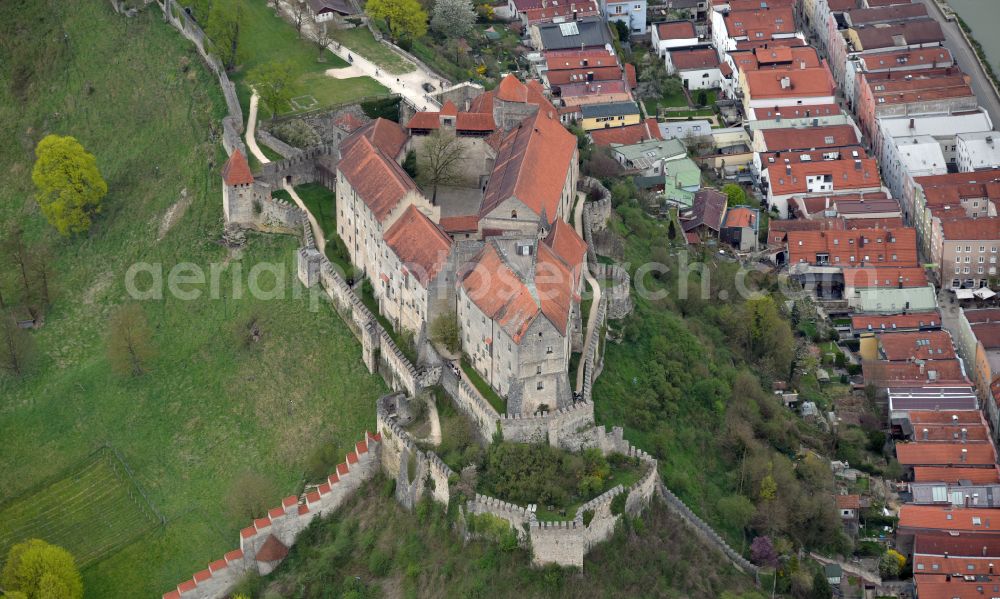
point(619, 293)
point(286, 150)
point(400, 454)
point(471, 403)
point(232, 123)
point(283, 523)
point(557, 428)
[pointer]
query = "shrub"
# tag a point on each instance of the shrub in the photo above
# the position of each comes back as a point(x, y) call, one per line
point(379, 563)
point(618, 504)
point(588, 516)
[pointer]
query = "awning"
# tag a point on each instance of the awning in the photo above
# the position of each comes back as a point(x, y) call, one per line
point(984, 293)
point(963, 294)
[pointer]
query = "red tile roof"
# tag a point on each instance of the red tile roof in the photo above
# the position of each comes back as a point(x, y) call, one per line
point(930, 586)
point(554, 286)
point(375, 176)
point(673, 30)
point(940, 543)
point(552, 11)
point(499, 293)
point(760, 24)
point(813, 82)
point(931, 57)
point(845, 174)
point(565, 242)
point(420, 245)
point(532, 164)
point(919, 345)
point(935, 474)
point(627, 135)
point(940, 417)
point(237, 170)
point(885, 277)
point(739, 217)
point(272, 550)
point(556, 60)
point(946, 454)
point(511, 90)
point(584, 74)
point(927, 517)
point(348, 122)
point(807, 138)
point(920, 31)
point(797, 112)
point(460, 224)
point(912, 320)
point(694, 59)
point(233, 555)
point(884, 374)
point(972, 229)
point(870, 247)
point(848, 502)
point(951, 433)
point(630, 76)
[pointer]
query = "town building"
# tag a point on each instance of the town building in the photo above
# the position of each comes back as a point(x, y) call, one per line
point(754, 25)
point(630, 12)
point(671, 35)
point(590, 33)
point(604, 116)
point(785, 181)
point(698, 68)
point(778, 88)
point(977, 151)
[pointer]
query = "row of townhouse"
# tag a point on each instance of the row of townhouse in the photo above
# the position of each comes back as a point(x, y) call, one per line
point(493, 251)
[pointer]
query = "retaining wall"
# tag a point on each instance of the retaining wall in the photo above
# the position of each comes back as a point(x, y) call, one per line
point(566, 427)
point(471, 403)
point(280, 527)
point(276, 144)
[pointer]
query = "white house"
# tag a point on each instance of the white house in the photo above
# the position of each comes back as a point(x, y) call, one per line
point(698, 68)
point(977, 151)
point(914, 156)
point(673, 34)
point(943, 127)
point(630, 12)
point(327, 10)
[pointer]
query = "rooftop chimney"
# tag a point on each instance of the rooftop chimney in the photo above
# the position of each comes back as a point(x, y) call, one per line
point(926, 433)
point(965, 434)
point(965, 455)
point(954, 418)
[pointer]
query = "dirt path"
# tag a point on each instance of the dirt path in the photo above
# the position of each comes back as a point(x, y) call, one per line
point(432, 415)
point(595, 288)
point(317, 230)
point(250, 136)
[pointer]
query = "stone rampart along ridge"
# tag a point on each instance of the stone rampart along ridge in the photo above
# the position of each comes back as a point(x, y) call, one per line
point(416, 472)
point(265, 543)
point(595, 213)
point(232, 123)
point(591, 357)
point(705, 531)
point(619, 293)
point(568, 428)
point(471, 403)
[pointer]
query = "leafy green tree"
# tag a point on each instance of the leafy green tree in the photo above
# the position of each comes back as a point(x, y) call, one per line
point(821, 586)
point(453, 18)
point(130, 345)
point(39, 570)
point(273, 83)
point(444, 330)
point(223, 29)
point(17, 348)
point(404, 18)
point(736, 194)
point(891, 564)
point(69, 186)
point(737, 510)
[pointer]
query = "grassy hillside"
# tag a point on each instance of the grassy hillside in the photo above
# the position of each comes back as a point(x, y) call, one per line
point(373, 548)
point(213, 405)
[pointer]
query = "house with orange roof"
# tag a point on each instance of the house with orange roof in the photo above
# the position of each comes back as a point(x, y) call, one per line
point(976, 525)
point(518, 309)
point(827, 177)
point(533, 180)
point(373, 190)
point(416, 272)
point(785, 87)
point(754, 25)
point(670, 35)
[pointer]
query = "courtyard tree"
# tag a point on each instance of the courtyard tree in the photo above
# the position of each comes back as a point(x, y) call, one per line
point(444, 330)
point(223, 29)
point(453, 18)
point(129, 344)
point(404, 18)
point(440, 161)
point(37, 570)
point(15, 255)
point(735, 193)
point(69, 186)
point(273, 83)
point(17, 348)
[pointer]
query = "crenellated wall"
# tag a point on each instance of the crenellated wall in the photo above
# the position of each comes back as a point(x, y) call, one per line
point(400, 454)
point(264, 544)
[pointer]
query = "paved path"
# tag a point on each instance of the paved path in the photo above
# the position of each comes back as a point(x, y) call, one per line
point(966, 58)
point(595, 288)
point(251, 137)
point(408, 85)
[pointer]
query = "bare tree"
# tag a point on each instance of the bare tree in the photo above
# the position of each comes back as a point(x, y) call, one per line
point(440, 161)
point(41, 268)
point(16, 253)
point(250, 494)
point(17, 348)
point(129, 340)
point(322, 39)
point(298, 14)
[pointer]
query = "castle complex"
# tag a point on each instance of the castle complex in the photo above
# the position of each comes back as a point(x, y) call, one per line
point(493, 249)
